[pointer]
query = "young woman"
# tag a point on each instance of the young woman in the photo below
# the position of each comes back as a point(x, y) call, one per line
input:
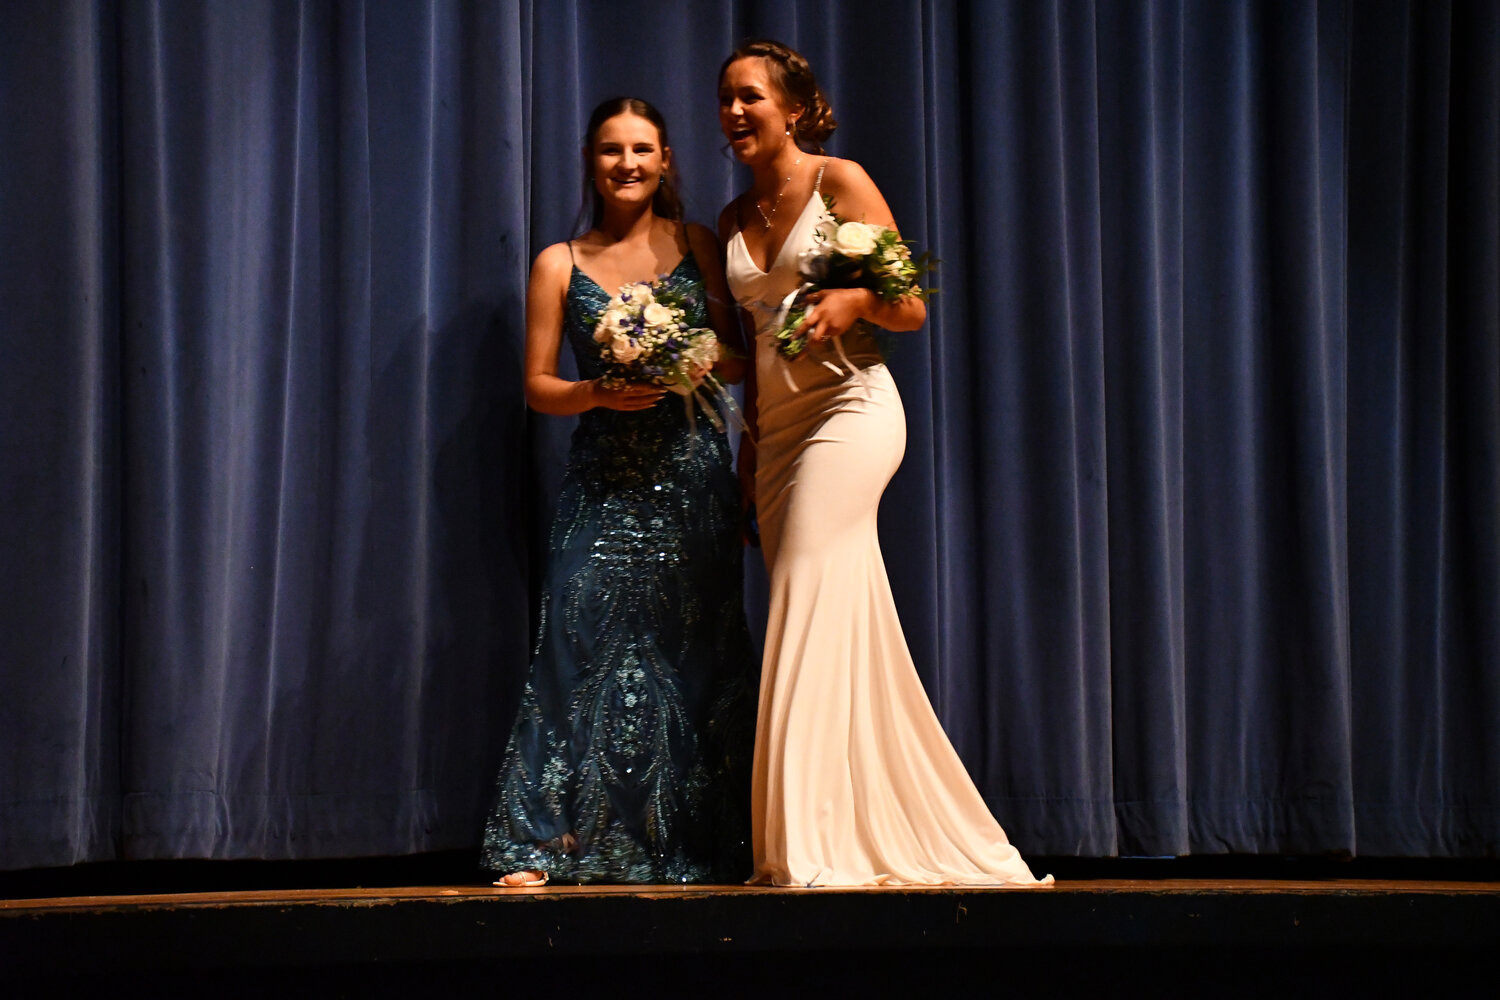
point(629, 759)
point(855, 782)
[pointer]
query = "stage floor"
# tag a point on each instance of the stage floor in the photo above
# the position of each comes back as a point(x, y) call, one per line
point(1239, 937)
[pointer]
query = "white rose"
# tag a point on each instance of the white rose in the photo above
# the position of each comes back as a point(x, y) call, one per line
point(611, 324)
point(624, 349)
point(656, 315)
point(637, 292)
point(826, 229)
point(855, 239)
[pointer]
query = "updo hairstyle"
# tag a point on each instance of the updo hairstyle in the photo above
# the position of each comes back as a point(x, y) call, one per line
point(666, 202)
point(791, 74)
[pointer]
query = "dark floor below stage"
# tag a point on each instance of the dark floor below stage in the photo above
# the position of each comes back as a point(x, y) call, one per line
point(1256, 930)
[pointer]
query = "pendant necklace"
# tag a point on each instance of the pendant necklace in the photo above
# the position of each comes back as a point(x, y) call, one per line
point(777, 203)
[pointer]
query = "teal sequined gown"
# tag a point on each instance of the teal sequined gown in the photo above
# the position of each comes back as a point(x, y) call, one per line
point(636, 724)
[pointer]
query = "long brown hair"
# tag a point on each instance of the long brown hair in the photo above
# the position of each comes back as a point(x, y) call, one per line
point(666, 202)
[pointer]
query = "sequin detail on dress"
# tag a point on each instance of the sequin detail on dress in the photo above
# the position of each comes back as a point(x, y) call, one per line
point(636, 723)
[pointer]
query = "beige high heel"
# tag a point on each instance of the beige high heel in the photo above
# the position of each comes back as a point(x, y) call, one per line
point(522, 880)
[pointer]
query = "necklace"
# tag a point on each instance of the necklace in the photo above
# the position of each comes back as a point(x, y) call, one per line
point(777, 202)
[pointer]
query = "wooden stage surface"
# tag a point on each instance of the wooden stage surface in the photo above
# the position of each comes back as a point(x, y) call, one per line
point(1125, 936)
point(1307, 889)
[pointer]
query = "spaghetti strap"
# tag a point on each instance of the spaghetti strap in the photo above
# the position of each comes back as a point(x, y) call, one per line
point(818, 183)
point(570, 254)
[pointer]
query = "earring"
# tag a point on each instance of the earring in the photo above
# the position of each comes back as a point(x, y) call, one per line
point(789, 123)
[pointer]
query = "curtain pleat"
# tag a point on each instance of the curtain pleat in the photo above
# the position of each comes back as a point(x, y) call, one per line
point(60, 455)
point(1424, 406)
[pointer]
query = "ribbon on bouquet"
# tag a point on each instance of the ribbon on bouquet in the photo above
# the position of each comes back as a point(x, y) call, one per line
point(838, 343)
point(717, 392)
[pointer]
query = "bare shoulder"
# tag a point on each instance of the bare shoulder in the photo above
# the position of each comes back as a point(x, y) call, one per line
point(553, 265)
point(854, 194)
point(845, 175)
point(729, 220)
point(701, 240)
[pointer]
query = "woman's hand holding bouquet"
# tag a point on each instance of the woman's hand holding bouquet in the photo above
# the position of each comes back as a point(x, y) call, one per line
point(849, 255)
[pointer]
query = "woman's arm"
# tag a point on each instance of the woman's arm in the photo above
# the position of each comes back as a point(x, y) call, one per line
point(721, 311)
point(546, 391)
point(856, 198)
point(745, 463)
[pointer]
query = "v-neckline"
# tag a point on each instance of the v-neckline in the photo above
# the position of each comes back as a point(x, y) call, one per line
point(666, 274)
point(815, 197)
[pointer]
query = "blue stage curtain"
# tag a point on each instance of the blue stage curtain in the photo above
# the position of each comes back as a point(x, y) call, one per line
point(1196, 541)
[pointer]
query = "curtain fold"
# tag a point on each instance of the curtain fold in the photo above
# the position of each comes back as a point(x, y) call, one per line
point(1424, 375)
point(1195, 539)
point(1264, 473)
point(60, 625)
point(1142, 212)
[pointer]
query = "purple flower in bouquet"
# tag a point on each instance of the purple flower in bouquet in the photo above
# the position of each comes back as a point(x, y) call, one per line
point(643, 337)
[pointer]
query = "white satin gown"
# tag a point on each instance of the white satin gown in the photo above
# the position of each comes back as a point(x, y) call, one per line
point(855, 782)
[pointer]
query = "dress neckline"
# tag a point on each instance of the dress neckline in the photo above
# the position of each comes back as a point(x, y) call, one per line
point(667, 274)
point(739, 234)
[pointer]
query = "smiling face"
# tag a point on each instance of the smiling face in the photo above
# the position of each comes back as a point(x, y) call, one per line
point(752, 110)
point(628, 160)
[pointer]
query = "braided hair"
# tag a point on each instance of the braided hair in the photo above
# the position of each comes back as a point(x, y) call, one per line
point(792, 75)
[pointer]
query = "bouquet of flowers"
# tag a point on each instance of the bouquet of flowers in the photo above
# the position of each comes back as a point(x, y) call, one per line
point(849, 254)
point(643, 336)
